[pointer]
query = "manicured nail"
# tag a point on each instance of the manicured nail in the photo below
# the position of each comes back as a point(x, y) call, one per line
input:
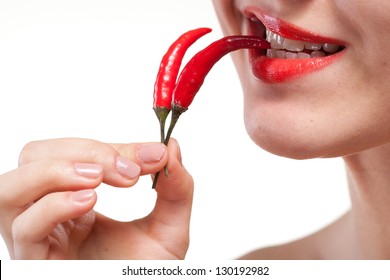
point(83, 196)
point(127, 168)
point(150, 153)
point(89, 170)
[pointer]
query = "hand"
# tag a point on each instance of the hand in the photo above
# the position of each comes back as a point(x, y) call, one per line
point(46, 204)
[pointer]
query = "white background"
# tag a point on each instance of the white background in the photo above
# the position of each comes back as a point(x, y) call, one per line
point(86, 68)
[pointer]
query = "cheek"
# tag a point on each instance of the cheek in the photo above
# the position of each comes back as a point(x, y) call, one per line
point(229, 18)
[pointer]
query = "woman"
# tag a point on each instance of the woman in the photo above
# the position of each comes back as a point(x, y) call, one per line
point(303, 106)
point(337, 105)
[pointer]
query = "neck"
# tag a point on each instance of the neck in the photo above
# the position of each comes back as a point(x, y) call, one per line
point(369, 180)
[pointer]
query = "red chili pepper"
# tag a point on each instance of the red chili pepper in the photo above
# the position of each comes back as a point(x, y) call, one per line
point(168, 71)
point(196, 70)
point(194, 73)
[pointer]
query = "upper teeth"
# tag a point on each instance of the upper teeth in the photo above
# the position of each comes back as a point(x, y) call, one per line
point(287, 48)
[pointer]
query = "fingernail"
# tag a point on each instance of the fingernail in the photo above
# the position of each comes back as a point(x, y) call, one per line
point(89, 170)
point(83, 196)
point(127, 168)
point(150, 153)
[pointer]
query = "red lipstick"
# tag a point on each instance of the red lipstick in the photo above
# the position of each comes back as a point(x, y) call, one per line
point(277, 70)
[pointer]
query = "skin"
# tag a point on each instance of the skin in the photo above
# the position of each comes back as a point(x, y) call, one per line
point(49, 177)
point(340, 111)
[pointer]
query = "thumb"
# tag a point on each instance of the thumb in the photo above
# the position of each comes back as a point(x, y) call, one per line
point(178, 185)
point(174, 202)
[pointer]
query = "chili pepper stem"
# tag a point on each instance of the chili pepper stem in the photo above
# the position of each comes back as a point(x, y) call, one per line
point(162, 114)
point(162, 129)
point(155, 180)
point(176, 113)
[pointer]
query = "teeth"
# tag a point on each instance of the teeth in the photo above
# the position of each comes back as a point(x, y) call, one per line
point(313, 46)
point(331, 48)
point(292, 49)
point(294, 46)
point(273, 53)
point(318, 54)
point(302, 55)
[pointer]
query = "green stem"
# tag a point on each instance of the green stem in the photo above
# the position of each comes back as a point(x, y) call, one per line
point(175, 117)
point(162, 114)
point(162, 129)
point(176, 113)
point(155, 180)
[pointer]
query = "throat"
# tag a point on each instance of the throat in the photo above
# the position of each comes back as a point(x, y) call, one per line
point(369, 182)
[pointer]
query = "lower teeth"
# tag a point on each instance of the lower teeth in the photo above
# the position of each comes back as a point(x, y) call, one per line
point(273, 53)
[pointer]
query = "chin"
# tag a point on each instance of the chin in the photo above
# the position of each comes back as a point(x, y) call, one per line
point(296, 142)
point(283, 146)
point(310, 142)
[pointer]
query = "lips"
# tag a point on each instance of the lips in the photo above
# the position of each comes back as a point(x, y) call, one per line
point(294, 52)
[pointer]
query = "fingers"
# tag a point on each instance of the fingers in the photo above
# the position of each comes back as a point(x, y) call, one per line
point(62, 165)
point(37, 234)
point(58, 177)
point(173, 205)
point(122, 163)
point(32, 181)
point(151, 157)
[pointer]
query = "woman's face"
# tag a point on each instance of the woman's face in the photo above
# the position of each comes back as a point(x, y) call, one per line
point(334, 99)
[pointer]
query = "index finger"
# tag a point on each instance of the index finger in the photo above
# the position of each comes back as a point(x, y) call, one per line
point(151, 157)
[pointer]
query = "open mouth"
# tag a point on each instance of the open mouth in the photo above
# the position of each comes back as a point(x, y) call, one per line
point(290, 49)
point(294, 51)
point(286, 48)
